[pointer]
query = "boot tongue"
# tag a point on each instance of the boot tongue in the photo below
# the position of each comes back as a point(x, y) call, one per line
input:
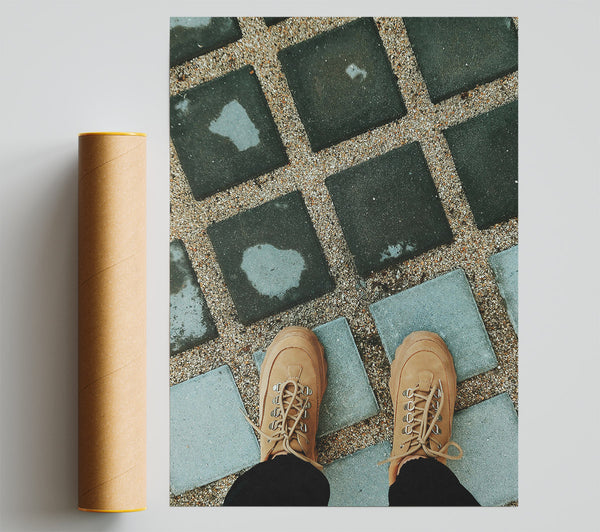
point(294, 372)
point(425, 380)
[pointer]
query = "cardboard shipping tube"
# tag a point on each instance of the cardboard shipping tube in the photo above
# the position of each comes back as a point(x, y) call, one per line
point(112, 322)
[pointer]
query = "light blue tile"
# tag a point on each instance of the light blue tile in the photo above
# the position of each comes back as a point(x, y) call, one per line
point(210, 438)
point(488, 435)
point(506, 269)
point(445, 306)
point(349, 397)
point(357, 480)
point(258, 357)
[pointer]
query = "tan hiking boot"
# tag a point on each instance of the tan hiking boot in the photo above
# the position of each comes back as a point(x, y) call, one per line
point(423, 389)
point(293, 378)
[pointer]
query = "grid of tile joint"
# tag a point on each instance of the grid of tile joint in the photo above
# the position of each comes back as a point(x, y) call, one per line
point(308, 171)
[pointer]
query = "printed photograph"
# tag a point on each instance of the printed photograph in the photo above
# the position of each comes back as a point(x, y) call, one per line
point(343, 261)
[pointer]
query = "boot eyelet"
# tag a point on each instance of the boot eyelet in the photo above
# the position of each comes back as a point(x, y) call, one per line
point(307, 391)
point(277, 387)
point(303, 427)
point(436, 429)
point(408, 418)
point(409, 392)
point(275, 400)
point(410, 406)
point(308, 405)
point(407, 429)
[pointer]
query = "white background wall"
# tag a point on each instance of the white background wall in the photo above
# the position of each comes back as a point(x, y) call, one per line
point(68, 67)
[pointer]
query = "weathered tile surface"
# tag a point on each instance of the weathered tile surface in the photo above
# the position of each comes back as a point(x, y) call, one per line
point(456, 54)
point(194, 36)
point(342, 83)
point(506, 270)
point(270, 257)
point(210, 438)
point(389, 208)
point(357, 480)
point(348, 398)
point(485, 152)
point(488, 435)
point(190, 320)
point(445, 306)
point(224, 133)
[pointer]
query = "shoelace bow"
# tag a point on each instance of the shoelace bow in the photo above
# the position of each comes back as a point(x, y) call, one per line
point(422, 431)
point(287, 425)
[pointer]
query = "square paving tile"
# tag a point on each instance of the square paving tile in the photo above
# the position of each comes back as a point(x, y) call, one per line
point(194, 36)
point(389, 208)
point(485, 152)
point(488, 435)
point(506, 270)
point(357, 480)
point(270, 257)
point(342, 83)
point(190, 321)
point(269, 21)
point(348, 397)
point(204, 448)
point(445, 306)
point(224, 133)
point(456, 54)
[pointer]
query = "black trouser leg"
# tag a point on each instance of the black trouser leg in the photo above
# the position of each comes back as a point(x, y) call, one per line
point(427, 482)
point(283, 481)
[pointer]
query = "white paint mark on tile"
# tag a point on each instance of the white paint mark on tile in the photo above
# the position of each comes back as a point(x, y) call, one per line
point(183, 106)
point(271, 271)
point(354, 71)
point(235, 124)
point(190, 22)
point(393, 251)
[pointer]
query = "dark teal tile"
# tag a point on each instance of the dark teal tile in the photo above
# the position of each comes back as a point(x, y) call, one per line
point(190, 321)
point(485, 152)
point(456, 54)
point(224, 133)
point(194, 36)
point(270, 257)
point(269, 21)
point(389, 209)
point(342, 83)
